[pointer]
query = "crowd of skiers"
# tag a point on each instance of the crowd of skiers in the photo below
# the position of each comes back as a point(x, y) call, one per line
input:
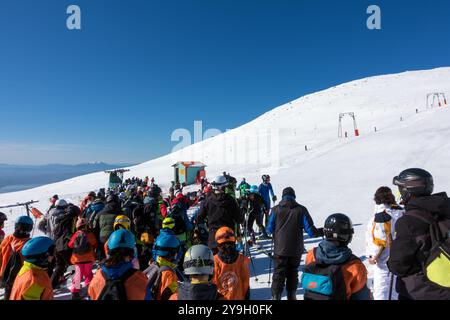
point(132, 243)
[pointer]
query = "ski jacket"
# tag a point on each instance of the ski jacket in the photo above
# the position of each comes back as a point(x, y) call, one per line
point(380, 231)
point(104, 222)
point(196, 291)
point(266, 192)
point(32, 283)
point(135, 286)
point(92, 209)
point(286, 223)
point(53, 215)
point(232, 280)
point(87, 257)
point(257, 205)
point(411, 246)
point(2, 235)
point(9, 245)
point(169, 281)
point(353, 271)
point(220, 210)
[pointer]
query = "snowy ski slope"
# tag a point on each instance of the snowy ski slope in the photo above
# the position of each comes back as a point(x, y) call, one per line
point(334, 175)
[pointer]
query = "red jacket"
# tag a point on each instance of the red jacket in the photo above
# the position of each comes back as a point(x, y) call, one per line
point(85, 257)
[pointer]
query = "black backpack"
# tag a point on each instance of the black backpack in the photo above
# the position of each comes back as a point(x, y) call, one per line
point(81, 244)
point(177, 215)
point(324, 281)
point(114, 289)
point(436, 265)
point(12, 268)
point(153, 273)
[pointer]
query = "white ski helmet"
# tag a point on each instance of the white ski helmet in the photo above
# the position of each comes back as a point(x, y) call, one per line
point(199, 260)
point(219, 182)
point(61, 203)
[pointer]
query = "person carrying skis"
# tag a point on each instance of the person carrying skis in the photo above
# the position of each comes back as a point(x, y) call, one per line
point(266, 192)
point(10, 252)
point(199, 266)
point(379, 238)
point(219, 209)
point(332, 272)
point(117, 279)
point(166, 252)
point(231, 268)
point(83, 243)
point(286, 224)
point(32, 281)
point(419, 254)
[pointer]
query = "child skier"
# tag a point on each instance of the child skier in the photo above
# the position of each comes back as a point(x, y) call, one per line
point(124, 223)
point(332, 272)
point(166, 249)
point(117, 279)
point(199, 266)
point(83, 243)
point(231, 268)
point(10, 255)
point(379, 237)
point(32, 281)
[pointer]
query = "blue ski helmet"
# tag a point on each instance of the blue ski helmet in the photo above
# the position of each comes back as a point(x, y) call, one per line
point(166, 245)
point(121, 238)
point(254, 189)
point(25, 222)
point(37, 250)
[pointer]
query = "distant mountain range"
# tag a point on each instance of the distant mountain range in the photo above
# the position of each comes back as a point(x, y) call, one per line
point(22, 177)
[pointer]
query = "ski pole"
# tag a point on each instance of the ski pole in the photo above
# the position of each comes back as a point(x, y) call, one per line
point(270, 261)
point(391, 285)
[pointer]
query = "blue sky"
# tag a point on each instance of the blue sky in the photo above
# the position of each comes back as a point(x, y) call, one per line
point(139, 69)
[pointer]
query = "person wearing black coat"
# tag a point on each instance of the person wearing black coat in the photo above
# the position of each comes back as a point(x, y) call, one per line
point(286, 224)
point(219, 209)
point(408, 251)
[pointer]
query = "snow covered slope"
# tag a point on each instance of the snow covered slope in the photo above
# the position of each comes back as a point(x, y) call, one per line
point(334, 175)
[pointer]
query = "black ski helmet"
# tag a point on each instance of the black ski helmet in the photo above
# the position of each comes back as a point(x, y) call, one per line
point(414, 182)
point(339, 227)
point(112, 198)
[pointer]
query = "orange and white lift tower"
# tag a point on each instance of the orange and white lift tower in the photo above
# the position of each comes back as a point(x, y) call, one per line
point(341, 116)
point(436, 99)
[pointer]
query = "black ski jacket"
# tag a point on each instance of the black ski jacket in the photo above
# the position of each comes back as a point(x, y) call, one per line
point(220, 210)
point(411, 245)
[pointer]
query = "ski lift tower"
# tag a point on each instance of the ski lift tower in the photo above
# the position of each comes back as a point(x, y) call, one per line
point(36, 213)
point(341, 116)
point(116, 177)
point(438, 97)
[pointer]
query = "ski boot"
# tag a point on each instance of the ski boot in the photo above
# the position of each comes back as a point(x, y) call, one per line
point(76, 296)
point(292, 295)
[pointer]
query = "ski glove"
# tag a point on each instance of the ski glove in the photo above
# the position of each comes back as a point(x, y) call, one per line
point(274, 198)
point(319, 233)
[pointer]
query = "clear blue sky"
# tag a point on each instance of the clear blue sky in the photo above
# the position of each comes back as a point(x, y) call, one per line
point(115, 90)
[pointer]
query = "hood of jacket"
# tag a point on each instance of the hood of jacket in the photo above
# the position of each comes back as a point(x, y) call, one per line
point(436, 204)
point(118, 270)
point(329, 253)
point(201, 291)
